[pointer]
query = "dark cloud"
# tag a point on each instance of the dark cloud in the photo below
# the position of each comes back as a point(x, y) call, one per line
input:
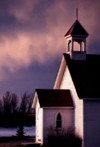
point(27, 80)
point(32, 38)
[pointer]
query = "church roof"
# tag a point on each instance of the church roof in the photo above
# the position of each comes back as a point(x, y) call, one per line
point(54, 98)
point(85, 75)
point(76, 29)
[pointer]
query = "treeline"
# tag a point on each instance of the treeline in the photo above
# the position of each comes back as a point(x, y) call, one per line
point(14, 113)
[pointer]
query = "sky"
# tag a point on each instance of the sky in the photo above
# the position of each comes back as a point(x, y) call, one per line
point(32, 40)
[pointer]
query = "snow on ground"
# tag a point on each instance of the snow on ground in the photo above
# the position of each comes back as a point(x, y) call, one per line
point(7, 132)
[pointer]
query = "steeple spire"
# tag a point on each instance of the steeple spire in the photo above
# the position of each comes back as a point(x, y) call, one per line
point(76, 13)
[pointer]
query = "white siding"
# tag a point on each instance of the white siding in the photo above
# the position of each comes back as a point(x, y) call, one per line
point(39, 123)
point(67, 83)
point(91, 123)
point(50, 115)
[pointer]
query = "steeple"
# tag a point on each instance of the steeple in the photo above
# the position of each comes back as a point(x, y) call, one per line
point(78, 34)
point(76, 13)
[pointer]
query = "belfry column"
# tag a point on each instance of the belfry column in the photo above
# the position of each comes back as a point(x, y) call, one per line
point(80, 46)
point(72, 45)
point(85, 45)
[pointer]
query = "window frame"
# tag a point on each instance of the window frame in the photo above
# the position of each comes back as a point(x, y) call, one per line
point(59, 121)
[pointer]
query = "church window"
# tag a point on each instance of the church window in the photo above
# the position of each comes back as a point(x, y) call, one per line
point(59, 121)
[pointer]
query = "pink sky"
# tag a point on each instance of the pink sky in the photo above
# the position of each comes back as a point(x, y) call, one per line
point(32, 39)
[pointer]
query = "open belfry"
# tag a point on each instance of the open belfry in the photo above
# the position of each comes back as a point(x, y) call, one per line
point(75, 98)
point(76, 34)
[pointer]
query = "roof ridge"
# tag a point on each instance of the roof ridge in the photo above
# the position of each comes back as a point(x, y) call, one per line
point(80, 25)
point(73, 25)
point(68, 32)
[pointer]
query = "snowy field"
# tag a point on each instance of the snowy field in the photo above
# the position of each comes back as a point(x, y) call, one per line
point(8, 132)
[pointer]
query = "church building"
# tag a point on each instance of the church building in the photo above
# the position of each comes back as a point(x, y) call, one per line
point(74, 100)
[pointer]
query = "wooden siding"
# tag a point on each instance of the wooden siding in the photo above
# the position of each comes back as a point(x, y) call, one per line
point(91, 123)
point(49, 119)
point(39, 123)
point(67, 83)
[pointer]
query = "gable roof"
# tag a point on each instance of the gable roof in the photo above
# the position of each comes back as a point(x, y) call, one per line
point(85, 75)
point(76, 29)
point(54, 98)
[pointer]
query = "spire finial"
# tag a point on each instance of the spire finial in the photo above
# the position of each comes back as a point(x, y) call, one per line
point(77, 13)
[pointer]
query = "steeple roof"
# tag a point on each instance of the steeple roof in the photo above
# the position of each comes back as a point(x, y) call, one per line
point(77, 30)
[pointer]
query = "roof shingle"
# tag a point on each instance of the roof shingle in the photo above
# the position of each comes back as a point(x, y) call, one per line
point(76, 29)
point(54, 98)
point(85, 75)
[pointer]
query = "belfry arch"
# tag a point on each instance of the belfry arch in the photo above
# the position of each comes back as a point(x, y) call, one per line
point(80, 43)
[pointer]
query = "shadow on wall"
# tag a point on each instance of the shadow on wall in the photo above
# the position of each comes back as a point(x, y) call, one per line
point(66, 137)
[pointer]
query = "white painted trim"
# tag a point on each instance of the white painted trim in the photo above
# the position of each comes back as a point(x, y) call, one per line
point(34, 100)
point(67, 36)
point(60, 74)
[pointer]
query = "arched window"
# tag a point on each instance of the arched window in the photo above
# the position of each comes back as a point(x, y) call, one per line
point(59, 121)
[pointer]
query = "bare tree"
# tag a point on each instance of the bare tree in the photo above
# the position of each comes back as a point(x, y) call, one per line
point(14, 103)
point(24, 103)
point(7, 102)
point(1, 106)
point(23, 110)
point(10, 102)
point(30, 103)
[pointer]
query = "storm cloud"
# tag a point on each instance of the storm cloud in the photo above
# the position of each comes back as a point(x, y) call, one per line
point(32, 39)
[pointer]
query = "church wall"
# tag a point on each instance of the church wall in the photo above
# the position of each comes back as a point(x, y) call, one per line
point(91, 123)
point(49, 120)
point(39, 123)
point(67, 83)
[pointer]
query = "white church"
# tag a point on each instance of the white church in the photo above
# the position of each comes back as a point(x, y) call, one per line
point(75, 98)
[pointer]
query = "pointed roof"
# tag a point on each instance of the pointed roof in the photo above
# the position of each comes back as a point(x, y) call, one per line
point(77, 30)
point(54, 98)
point(85, 75)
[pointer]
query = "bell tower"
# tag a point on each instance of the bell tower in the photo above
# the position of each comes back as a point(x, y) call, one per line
point(78, 34)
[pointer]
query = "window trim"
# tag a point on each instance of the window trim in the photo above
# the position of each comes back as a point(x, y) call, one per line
point(58, 121)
